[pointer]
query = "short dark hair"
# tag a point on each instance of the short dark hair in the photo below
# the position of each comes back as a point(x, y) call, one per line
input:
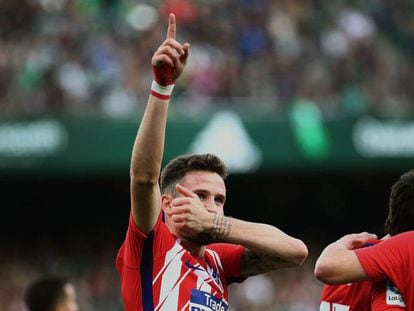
point(401, 205)
point(44, 293)
point(177, 168)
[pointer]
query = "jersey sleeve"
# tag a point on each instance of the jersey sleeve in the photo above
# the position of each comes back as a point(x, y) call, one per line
point(389, 259)
point(386, 297)
point(230, 256)
point(130, 252)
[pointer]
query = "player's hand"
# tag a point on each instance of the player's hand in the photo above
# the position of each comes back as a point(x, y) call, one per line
point(191, 218)
point(169, 60)
point(357, 240)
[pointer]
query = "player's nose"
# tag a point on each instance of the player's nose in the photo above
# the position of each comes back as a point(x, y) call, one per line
point(212, 207)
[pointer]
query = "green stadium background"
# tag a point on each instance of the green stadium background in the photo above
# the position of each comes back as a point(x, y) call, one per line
point(314, 136)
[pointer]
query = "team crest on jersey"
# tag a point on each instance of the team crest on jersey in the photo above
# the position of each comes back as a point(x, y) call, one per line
point(394, 297)
point(203, 301)
point(216, 277)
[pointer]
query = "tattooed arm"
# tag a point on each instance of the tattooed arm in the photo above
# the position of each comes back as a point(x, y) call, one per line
point(254, 263)
point(267, 247)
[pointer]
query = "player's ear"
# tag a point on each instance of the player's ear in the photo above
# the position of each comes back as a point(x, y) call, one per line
point(166, 200)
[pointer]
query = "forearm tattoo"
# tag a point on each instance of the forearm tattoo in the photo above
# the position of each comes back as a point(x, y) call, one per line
point(255, 263)
point(221, 227)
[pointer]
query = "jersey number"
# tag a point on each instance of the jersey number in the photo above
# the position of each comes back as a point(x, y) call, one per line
point(326, 306)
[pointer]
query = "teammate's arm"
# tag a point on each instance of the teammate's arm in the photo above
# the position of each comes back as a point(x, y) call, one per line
point(339, 264)
point(168, 63)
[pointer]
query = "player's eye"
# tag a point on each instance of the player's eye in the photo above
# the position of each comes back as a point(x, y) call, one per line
point(201, 196)
point(219, 201)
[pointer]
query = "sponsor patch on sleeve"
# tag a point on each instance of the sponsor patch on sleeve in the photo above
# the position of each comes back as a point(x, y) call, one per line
point(203, 301)
point(394, 297)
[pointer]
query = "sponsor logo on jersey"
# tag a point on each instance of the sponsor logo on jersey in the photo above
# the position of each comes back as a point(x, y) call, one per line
point(394, 297)
point(203, 301)
point(190, 266)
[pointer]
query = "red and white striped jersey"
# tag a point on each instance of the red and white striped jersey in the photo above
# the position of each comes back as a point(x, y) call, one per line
point(157, 273)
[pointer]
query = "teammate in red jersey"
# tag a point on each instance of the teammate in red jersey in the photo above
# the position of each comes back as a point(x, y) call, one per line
point(347, 297)
point(389, 265)
point(361, 296)
point(173, 264)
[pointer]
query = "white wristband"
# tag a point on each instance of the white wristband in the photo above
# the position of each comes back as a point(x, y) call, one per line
point(161, 91)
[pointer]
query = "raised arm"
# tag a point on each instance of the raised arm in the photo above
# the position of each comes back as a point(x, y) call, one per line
point(338, 263)
point(168, 63)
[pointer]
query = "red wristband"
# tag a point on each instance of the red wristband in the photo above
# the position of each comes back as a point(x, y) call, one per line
point(164, 75)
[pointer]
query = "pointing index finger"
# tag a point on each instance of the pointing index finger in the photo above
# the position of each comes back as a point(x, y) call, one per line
point(172, 28)
point(185, 191)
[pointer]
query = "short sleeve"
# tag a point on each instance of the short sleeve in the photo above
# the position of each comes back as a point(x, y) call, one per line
point(389, 259)
point(230, 256)
point(130, 252)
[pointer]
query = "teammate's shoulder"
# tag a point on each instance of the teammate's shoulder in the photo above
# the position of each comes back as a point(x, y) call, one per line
point(408, 235)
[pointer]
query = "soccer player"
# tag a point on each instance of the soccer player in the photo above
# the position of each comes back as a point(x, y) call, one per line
point(173, 264)
point(361, 296)
point(51, 293)
point(390, 264)
point(347, 297)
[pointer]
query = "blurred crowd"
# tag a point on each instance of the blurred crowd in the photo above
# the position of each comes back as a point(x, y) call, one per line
point(256, 56)
point(263, 56)
point(91, 267)
point(89, 264)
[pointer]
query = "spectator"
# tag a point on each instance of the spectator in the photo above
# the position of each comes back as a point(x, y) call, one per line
point(53, 59)
point(51, 293)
